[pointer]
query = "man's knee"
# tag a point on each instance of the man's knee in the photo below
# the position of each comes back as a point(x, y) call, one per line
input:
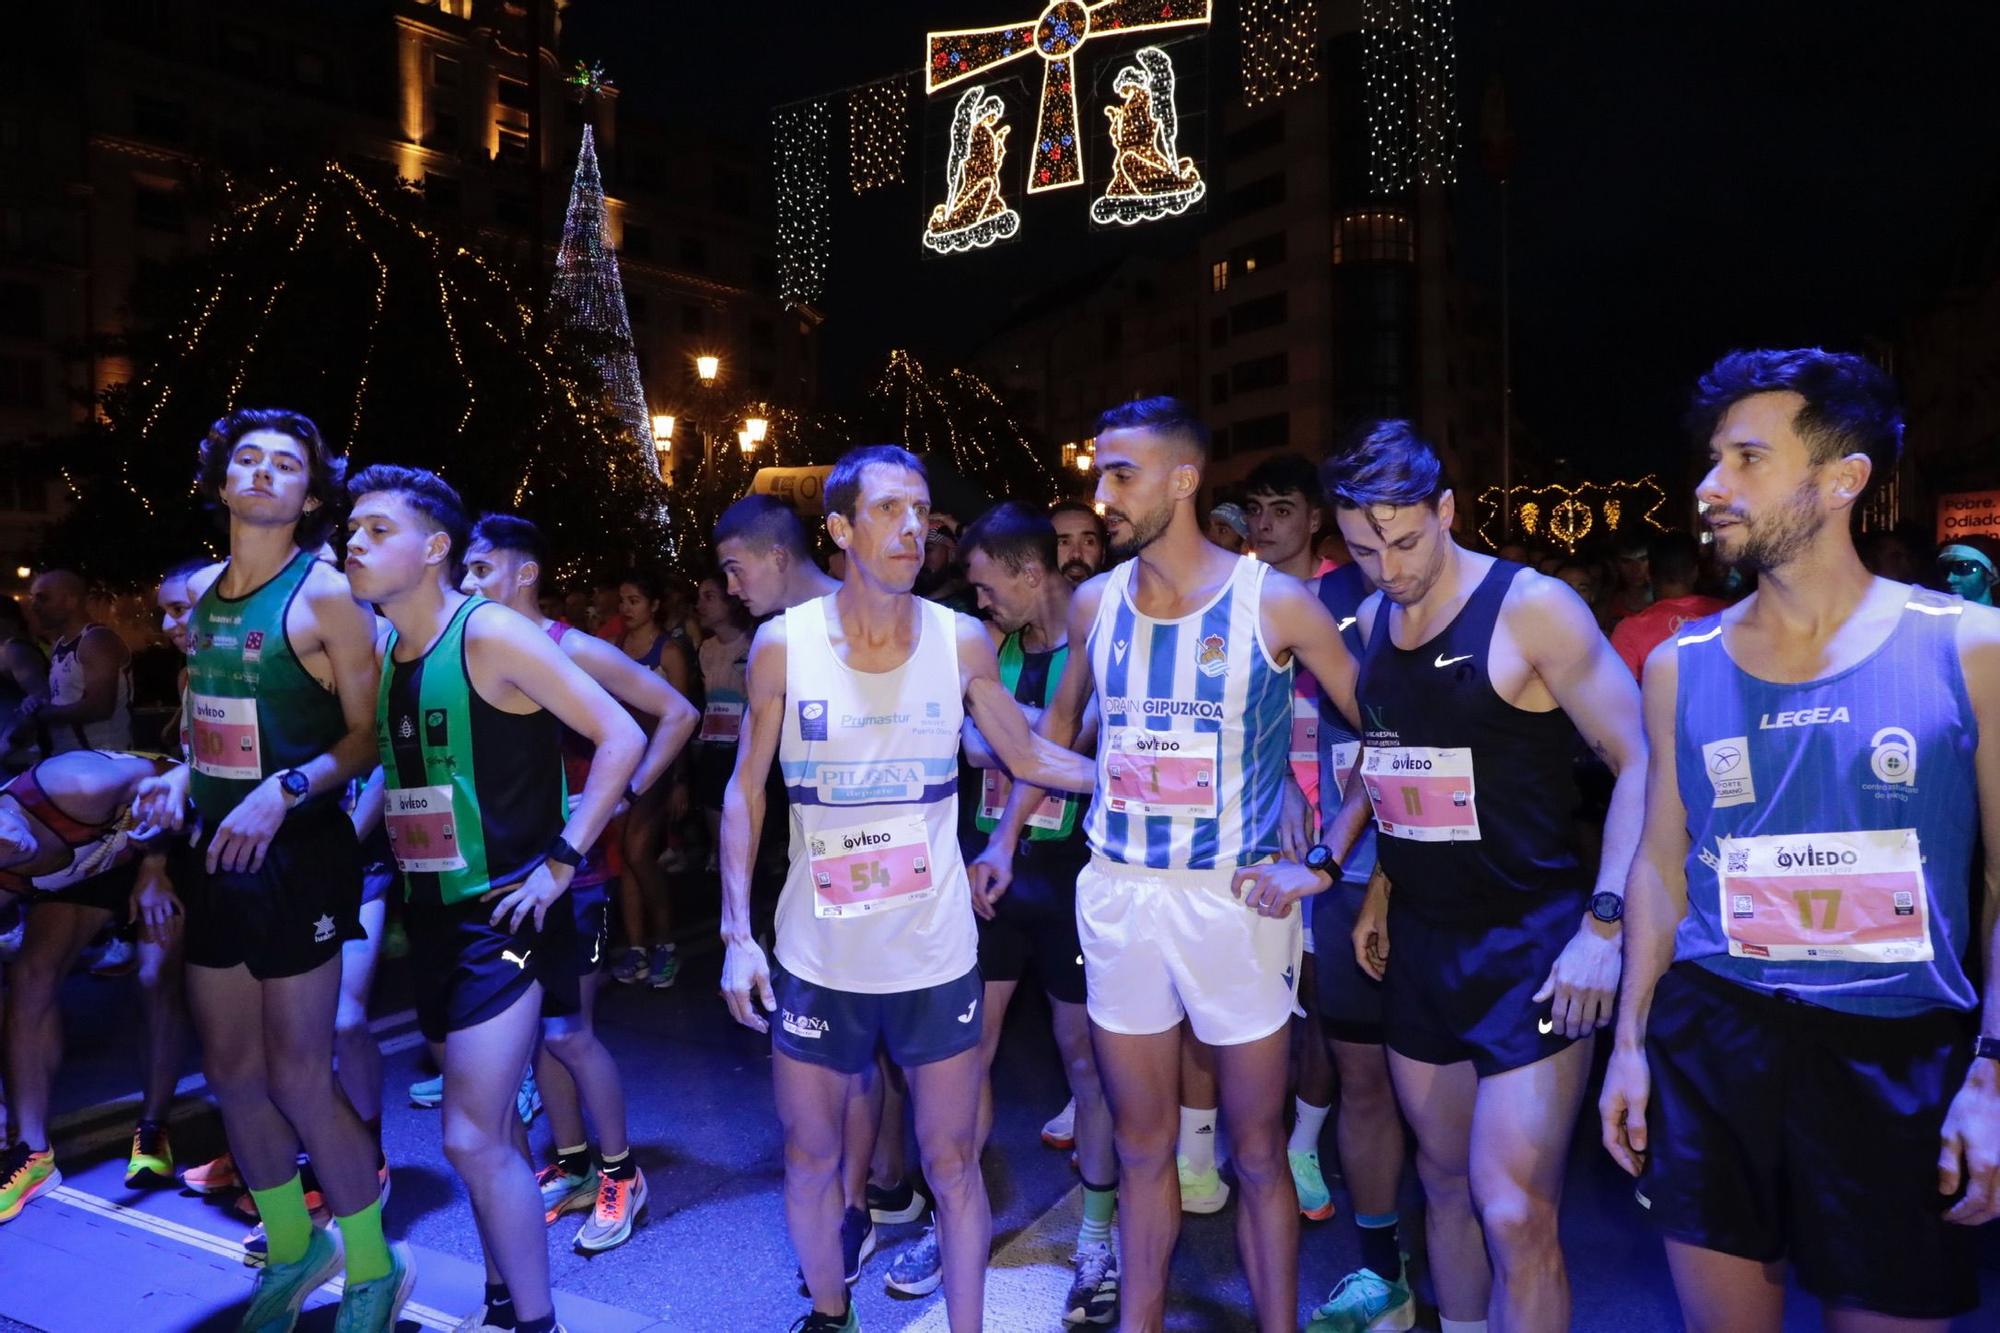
point(1144, 1144)
point(1518, 1226)
point(471, 1148)
point(301, 1089)
point(950, 1164)
point(570, 1041)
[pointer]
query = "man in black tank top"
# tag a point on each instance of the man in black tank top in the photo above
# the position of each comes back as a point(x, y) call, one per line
point(1476, 678)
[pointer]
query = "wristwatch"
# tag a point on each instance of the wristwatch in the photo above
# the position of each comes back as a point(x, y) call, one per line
point(1986, 1048)
point(294, 784)
point(563, 854)
point(1607, 907)
point(1319, 858)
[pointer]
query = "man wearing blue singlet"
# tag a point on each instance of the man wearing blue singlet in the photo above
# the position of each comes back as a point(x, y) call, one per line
point(1803, 1071)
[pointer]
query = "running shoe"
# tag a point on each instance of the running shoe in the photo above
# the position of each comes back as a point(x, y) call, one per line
point(1364, 1302)
point(528, 1101)
point(893, 1208)
point(213, 1177)
point(857, 1242)
point(256, 1243)
point(1201, 1191)
point(812, 1321)
point(565, 1193)
point(282, 1289)
point(151, 1164)
point(372, 1306)
point(1060, 1132)
point(23, 1176)
point(1093, 1297)
point(476, 1323)
point(427, 1093)
point(118, 959)
point(1315, 1202)
point(630, 966)
point(619, 1204)
point(663, 966)
point(918, 1269)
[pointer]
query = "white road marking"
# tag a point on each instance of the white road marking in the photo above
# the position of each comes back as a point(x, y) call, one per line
point(1027, 1280)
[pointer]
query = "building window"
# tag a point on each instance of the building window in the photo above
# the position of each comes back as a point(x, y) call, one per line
point(513, 93)
point(1257, 195)
point(1264, 372)
point(513, 149)
point(1272, 432)
point(161, 209)
point(1264, 252)
point(1218, 276)
point(445, 70)
point(694, 320)
point(1374, 236)
point(1266, 312)
point(638, 242)
point(1255, 137)
point(694, 253)
point(21, 313)
point(21, 382)
point(444, 132)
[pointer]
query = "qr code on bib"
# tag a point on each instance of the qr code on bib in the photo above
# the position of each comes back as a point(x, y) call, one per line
point(1739, 863)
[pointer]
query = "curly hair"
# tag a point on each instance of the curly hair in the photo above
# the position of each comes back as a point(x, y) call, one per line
point(325, 470)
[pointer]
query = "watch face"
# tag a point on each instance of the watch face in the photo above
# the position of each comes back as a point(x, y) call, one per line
point(1607, 906)
point(295, 783)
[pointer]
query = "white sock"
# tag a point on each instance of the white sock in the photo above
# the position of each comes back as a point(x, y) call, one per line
point(1198, 1138)
point(1461, 1325)
point(1305, 1130)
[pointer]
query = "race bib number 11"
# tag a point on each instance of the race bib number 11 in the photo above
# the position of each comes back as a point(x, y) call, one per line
point(1420, 794)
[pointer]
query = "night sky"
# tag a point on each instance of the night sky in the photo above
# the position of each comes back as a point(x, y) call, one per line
point(1689, 177)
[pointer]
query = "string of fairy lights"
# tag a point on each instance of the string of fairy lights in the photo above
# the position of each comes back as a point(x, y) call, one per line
point(878, 133)
point(801, 135)
point(1280, 48)
point(1410, 78)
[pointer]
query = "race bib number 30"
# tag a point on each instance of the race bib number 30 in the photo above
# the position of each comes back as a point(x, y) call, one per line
point(422, 832)
point(1857, 897)
point(225, 737)
point(1170, 773)
point(1420, 794)
point(875, 867)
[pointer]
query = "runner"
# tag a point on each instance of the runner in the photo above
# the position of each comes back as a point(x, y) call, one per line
point(89, 703)
point(1183, 910)
point(761, 549)
point(723, 657)
point(860, 696)
point(1011, 561)
point(279, 687)
point(1079, 539)
point(1801, 1072)
point(645, 905)
point(504, 562)
point(1674, 559)
point(468, 721)
point(1477, 677)
point(69, 846)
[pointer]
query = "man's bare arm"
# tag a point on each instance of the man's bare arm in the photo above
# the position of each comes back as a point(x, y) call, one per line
point(1656, 886)
point(346, 631)
point(648, 691)
point(1028, 757)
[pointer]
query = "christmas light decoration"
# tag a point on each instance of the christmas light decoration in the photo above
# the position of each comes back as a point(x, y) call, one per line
point(1149, 178)
point(1410, 68)
point(801, 133)
point(1280, 48)
point(878, 144)
point(974, 213)
point(1569, 514)
point(1057, 36)
point(591, 78)
point(587, 298)
point(961, 419)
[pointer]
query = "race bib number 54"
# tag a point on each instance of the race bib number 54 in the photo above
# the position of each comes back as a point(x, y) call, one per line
point(875, 867)
point(1826, 896)
point(1421, 794)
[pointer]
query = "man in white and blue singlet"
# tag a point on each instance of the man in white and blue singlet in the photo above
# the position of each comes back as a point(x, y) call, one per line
point(1183, 911)
point(860, 696)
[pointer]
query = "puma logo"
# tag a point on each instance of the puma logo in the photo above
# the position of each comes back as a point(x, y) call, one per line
point(518, 960)
point(1443, 661)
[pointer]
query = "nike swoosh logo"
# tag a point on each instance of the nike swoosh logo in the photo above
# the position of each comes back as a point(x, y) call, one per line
point(972, 1008)
point(1545, 1026)
point(1443, 661)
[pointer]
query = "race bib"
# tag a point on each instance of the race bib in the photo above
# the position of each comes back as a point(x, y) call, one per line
point(875, 867)
point(224, 733)
point(1170, 773)
point(994, 787)
point(1421, 794)
point(423, 833)
point(1345, 755)
point(722, 721)
point(1857, 897)
point(1305, 730)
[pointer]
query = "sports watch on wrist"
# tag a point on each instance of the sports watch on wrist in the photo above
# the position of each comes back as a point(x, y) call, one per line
point(1607, 907)
point(1986, 1048)
point(1319, 858)
point(294, 784)
point(563, 854)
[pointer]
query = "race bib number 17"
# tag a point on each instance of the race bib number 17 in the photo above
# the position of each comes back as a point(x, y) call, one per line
point(1857, 897)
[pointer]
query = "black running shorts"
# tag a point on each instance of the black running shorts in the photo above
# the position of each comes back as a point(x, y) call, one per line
point(841, 1029)
point(288, 916)
point(1034, 923)
point(1350, 1001)
point(466, 970)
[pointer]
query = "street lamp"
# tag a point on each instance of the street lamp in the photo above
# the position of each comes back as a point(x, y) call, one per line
point(708, 367)
point(757, 428)
point(746, 441)
point(663, 429)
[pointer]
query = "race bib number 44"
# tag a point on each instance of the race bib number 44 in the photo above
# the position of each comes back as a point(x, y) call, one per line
point(1857, 897)
point(875, 867)
point(1170, 773)
point(1423, 795)
point(225, 737)
point(422, 832)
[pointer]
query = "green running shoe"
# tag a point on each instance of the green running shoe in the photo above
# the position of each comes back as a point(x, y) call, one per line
point(372, 1306)
point(1201, 1191)
point(151, 1164)
point(282, 1289)
point(1314, 1200)
point(1364, 1302)
point(23, 1176)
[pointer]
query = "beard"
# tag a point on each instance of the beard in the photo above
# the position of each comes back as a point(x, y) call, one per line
point(1077, 571)
point(1141, 531)
point(1781, 536)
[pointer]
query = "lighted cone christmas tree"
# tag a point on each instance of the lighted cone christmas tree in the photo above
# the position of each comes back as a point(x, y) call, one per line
point(589, 301)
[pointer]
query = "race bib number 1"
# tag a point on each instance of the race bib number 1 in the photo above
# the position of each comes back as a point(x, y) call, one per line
point(225, 737)
point(1169, 773)
point(1857, 897)
point(876, 867)
point(422, 831)
point(1423, 795)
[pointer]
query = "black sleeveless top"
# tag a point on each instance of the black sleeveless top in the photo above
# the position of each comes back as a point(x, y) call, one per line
point(1439, 697)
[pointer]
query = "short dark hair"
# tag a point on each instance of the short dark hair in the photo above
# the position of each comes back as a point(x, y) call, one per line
point(1384, 463)
point(1163, 415)
point(1673, 557)
point(426, 493)
point(1281, 474)
point(649, 585)
point(843, 483)
point(762, 522)
point(511, 532)
point(1851, 404)
point(324, 468)
point(1078, 507)
point(1013, 534)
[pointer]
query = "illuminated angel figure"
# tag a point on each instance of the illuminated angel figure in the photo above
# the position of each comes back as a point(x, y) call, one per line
point(973, 214)
point(1149, 180)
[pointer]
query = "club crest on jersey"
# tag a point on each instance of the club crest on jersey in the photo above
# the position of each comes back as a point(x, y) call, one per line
point(406, 728)
point(1211, 655)
point(1894, 760)
point(812, 719)
point(1727, 763)
point(253, 646)
point(1118, 648)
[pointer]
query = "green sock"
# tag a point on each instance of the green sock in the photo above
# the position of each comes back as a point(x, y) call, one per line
point(367, 1251)
point(287, 1224)
point(1098, 1207)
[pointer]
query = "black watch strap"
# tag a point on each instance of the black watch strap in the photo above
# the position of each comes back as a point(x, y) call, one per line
point(1319, 857)
point(1986, 1048)
point(1607, 907)
point(563, 854)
